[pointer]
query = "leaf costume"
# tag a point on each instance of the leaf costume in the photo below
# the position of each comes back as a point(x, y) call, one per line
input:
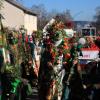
point(51, 70)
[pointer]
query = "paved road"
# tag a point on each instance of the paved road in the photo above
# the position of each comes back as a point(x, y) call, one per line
point(34, 95)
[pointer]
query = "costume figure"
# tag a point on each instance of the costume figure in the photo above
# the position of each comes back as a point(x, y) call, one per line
point(51, 73)
point(72, 83)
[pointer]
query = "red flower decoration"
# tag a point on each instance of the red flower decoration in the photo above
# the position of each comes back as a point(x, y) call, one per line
point(69, 24)
point(67, 56)
point(26, 39)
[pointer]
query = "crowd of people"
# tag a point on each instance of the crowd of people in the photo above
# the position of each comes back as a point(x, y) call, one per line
point(52, 65)
point(60, 76)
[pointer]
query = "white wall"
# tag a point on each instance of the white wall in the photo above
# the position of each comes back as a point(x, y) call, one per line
point(14, 17)
point(30, 23)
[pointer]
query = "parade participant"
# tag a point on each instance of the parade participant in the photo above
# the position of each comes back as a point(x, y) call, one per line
point(37, 52)
point(10, 84)
point(68, 66)
point(66, 89)
point(1, 59)
point(74, 79)
point(50, 74)
point(0, 87)
point(1, 65)
point(27, 71)
point(31, 45)
point(27, 76)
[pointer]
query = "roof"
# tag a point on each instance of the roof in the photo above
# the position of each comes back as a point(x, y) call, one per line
point(20, 6)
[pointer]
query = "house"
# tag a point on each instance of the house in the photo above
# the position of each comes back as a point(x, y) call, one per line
point(16, 15)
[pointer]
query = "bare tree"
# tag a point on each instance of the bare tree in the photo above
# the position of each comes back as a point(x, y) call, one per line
point(1, 4)
point(65, 16)
point(44, 16)
point(52, 14)
point(97, 19)
point(41, 15)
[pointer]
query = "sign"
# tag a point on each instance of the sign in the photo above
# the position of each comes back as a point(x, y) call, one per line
point(89, 54)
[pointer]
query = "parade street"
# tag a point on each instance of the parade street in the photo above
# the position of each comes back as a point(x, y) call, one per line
point(49, 49)
point(34, 95)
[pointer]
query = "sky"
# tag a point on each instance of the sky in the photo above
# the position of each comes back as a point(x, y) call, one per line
point(83, 10)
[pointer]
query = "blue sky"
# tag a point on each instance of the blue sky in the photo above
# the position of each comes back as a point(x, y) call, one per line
point(80, 9)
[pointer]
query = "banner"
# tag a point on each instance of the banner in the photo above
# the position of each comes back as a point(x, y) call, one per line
point(89, 54)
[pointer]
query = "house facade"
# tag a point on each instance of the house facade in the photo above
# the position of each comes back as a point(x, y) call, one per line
point(16, 15)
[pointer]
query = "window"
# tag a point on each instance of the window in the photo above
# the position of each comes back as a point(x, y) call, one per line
point(89, 32)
